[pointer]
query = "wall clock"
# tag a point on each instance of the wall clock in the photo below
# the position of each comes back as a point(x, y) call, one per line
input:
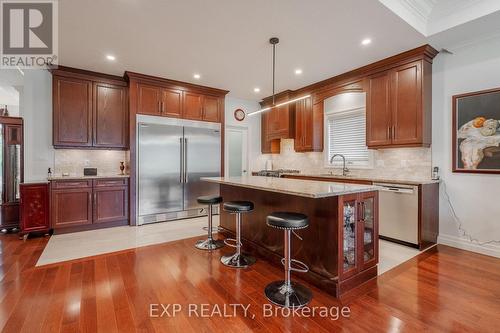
point(239, 114)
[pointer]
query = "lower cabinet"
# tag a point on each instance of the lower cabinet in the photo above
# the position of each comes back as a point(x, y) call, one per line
point(110, 204)
point(358, 231)
point(34, 208)
point(89, 204)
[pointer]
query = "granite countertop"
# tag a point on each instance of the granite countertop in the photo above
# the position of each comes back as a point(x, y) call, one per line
point(373, 179)
point(73, 177)
point(309, 188)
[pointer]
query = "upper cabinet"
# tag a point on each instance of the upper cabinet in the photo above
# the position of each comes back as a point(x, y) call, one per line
point(211, 108)
point(398, 106)
point(277, 123)
point(72, 112)
point(162, 97)
point(89, 111)
point(308, 126)
point(268, 146)
point(193, 106)
point(171, 102)
point(149, 100)
point(110, 116)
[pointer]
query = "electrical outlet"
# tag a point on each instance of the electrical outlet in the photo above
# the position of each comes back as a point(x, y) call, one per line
point(86, 163)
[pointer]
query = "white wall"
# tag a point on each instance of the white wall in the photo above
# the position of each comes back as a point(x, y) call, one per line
point(475, 197)
point(251, 123)
point(36, 102)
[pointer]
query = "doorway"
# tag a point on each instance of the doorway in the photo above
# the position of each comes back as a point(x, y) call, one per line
point(236, 156)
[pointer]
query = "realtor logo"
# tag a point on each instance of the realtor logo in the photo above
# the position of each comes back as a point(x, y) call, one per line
point(29, 33)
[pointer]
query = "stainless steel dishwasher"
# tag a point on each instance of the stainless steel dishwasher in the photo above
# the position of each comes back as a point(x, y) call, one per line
point(398, 212)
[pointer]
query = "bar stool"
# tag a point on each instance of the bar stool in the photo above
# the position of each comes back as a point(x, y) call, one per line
point(209, 243)
point(237, 260)
point(286, 293)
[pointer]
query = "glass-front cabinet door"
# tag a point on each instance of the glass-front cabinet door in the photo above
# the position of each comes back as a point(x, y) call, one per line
point(368, 227)
point(348, 256)
point(358, 233)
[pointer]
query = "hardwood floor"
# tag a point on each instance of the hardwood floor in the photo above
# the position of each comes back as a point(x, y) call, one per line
point(443, 289)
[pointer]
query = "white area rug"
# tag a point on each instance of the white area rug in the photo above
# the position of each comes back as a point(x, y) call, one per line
point(90, 243)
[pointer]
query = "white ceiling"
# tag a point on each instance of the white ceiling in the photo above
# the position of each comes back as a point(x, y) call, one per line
point(226, 41)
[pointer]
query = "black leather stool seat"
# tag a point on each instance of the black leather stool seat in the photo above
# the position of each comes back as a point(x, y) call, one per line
point(238, 206)
point(209, 200)
point(286, 220)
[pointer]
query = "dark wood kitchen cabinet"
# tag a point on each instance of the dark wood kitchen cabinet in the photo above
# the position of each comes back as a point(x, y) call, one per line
point(34, 208)
point(268, 146)
point(71, 207)
point(110, 121)
point(171, 103)
point(110, 200)
point(211, 108)
point(158, 101)
point(406, 104)
point(358, 249)
point(378, 110)
point(193, 106)
point(280, 120)
point(149, 100)
point(72, 112)
point(398, 107)
point(90, 110)
point(88, 204)
point(308, 126)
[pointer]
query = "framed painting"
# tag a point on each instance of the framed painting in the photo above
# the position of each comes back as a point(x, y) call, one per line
point(476, 132)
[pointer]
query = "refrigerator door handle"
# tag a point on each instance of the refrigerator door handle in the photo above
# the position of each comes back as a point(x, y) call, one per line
point(181, 159)
point(185, 160)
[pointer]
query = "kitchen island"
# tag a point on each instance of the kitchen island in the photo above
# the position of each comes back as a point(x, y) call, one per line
point(340, 246)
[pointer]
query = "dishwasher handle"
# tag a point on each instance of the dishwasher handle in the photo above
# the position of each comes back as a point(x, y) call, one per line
point(396, 188)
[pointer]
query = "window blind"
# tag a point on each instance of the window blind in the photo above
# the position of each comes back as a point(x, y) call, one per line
point(347, 135)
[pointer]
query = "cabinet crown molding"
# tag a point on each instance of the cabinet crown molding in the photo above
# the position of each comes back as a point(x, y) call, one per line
point(174, 84)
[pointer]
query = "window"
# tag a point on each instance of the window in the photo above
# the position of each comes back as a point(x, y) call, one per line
point(346, 135)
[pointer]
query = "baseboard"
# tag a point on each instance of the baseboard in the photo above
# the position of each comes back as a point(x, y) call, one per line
point(489, 249)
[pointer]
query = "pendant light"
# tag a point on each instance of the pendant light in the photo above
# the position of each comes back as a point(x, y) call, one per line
point(274, 41)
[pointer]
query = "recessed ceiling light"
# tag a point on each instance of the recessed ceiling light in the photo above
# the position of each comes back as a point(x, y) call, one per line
point(256, 90)
point(197, 76)
point(111, 57)
point(366, 41)
point(298, 71)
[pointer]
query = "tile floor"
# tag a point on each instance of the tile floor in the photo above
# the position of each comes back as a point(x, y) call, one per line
point(90, 243)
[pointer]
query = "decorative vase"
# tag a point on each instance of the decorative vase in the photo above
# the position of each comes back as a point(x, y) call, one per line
point(122, 168)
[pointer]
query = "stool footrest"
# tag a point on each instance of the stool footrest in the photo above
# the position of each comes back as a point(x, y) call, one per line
point(213, 229)
point(229, 242)
point(300, 266)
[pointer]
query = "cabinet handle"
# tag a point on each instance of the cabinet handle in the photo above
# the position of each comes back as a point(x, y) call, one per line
point(159, 107)
point(95, 199)
point(389, 132)
point(394, 132)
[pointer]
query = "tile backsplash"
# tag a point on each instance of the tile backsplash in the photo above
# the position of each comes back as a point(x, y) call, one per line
point(73, 161)
point(394, 163)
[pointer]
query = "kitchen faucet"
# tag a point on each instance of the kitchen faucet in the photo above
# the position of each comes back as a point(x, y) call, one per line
point(344, 169)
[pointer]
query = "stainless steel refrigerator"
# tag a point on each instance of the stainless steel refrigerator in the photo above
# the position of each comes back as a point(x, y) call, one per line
point(172, 156)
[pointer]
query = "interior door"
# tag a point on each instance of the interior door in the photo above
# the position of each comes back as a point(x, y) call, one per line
point(159, 174)
point(202, 159)
point(236, 152)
